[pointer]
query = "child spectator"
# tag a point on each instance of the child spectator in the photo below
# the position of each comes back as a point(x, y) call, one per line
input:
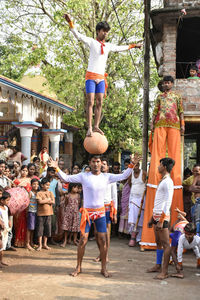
point(188, 240)
point(32, 213)
point(177, 230)
point(193, 72)
point(45, 201)
point(70, 222)
point(4, 227)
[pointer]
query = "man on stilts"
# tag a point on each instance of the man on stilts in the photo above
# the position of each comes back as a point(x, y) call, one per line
point(167, 127)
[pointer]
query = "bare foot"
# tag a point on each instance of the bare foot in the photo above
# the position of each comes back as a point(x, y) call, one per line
point(4, 264)
point(161, 276)
point(177, 275)
point(39, 248)
point(69, 242)
point(75, 243)
point(63, 245)
point(29, 248)
point(46, 247)
point(12, 248)
point(76, 272)
point(105, 273)
point(97, 129)
point(132, 242)
point(89, 132)
point(97, 259)
point(154, 269)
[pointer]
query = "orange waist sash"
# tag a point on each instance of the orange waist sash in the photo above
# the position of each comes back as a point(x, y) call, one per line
point(110, 207)
point(94, 76)
point(90, 213)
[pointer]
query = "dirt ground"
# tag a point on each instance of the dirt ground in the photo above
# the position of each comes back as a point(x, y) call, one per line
point(45, 275)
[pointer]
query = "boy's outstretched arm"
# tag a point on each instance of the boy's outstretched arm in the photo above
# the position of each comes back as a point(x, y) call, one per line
point(86, 40)
point(68, 19)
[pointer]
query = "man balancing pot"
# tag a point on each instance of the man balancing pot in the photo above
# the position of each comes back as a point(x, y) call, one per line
point(95, 75)
point(94, 187)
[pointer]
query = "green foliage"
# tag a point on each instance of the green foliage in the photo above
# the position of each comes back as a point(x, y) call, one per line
point(65, 59)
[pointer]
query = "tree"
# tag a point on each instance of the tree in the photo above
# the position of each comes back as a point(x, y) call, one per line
point(65, 62)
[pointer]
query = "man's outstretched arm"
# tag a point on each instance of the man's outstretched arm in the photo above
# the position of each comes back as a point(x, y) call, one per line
point(119, 177)
point(116, 48)
point(81, 37)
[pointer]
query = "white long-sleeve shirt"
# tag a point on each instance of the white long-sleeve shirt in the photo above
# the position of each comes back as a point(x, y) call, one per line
point(111, 194)
point(97, 61)
point(184, 244)
point(163, 197)
point(94, 186)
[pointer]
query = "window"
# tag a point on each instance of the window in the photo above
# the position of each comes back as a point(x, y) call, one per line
point(188, 45)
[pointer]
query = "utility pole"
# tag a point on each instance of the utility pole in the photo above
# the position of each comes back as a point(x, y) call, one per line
point(147, 8)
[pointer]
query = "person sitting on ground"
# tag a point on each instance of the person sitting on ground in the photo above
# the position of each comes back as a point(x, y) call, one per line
point(45, 201)
point(188, 240)
point(193, 72)
point(176, 231)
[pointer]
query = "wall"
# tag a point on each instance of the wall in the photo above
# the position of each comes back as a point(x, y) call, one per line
point(190, 91)
point(181, 3)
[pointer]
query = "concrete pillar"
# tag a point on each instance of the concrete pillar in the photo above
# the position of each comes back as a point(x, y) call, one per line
point(54, 139)
point(26, 134)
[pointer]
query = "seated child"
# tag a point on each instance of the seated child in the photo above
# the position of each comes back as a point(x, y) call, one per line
point(32, 213)
point(4, 227)
point(188, 240)
point(45, 201)
point(193, 72)
point(177, 230)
